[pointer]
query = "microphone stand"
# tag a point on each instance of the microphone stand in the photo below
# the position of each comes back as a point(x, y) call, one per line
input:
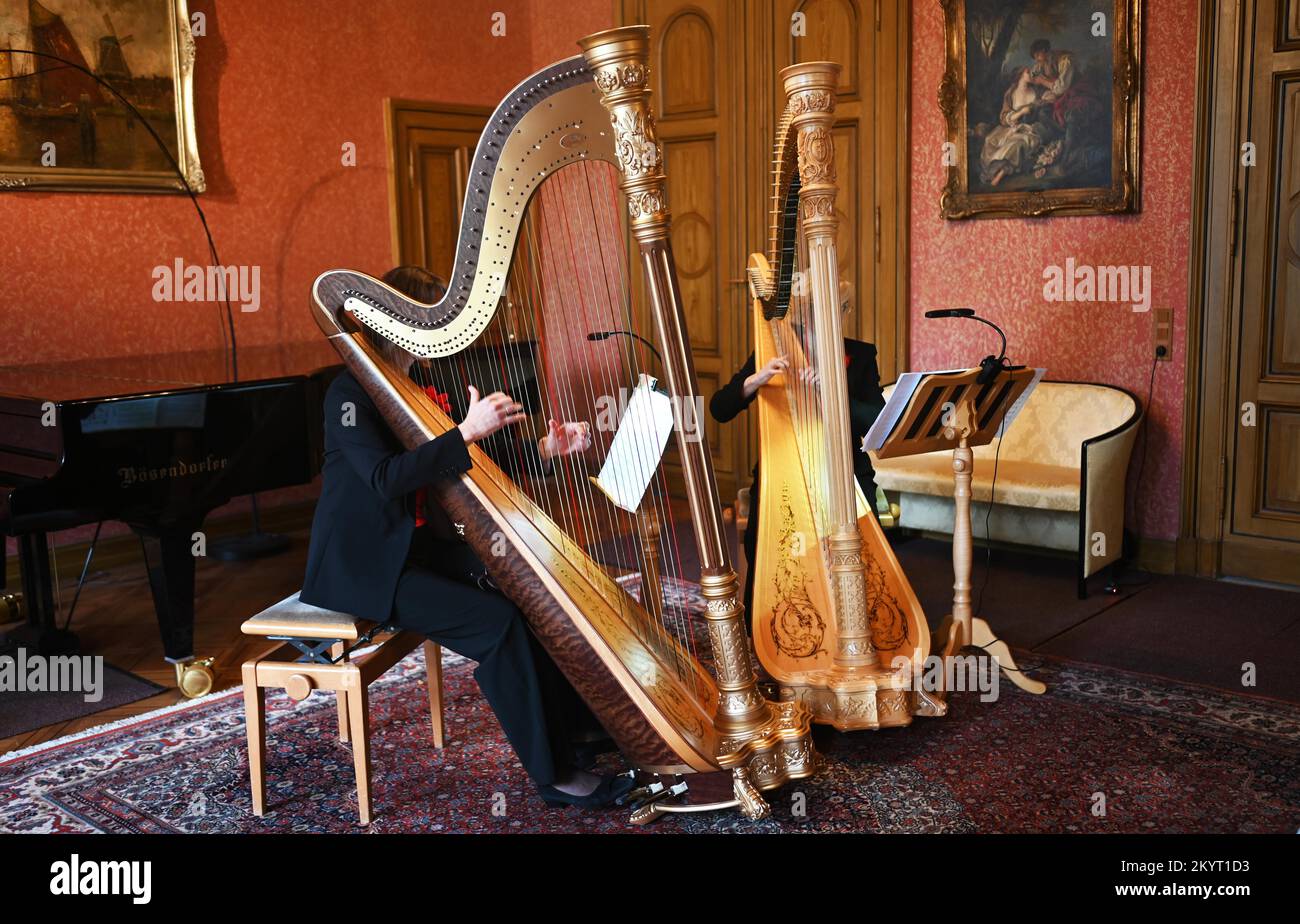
point(990, 365)
point(598, 335)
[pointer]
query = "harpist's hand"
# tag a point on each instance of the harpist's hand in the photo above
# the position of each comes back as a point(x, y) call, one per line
point(563, 439)
point(488, 415)
point(773, 366)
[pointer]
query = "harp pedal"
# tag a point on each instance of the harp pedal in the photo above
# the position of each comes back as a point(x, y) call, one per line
point(648, 802)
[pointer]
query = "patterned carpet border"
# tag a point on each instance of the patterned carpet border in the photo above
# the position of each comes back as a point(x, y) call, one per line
point(1165, 756)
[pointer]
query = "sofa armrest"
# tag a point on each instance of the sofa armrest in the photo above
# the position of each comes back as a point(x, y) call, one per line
point(1103, 476)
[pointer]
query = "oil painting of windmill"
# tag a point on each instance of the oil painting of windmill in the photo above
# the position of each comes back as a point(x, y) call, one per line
point(61, 128)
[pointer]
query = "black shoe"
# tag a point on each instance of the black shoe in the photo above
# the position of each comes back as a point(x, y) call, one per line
point(610, 789)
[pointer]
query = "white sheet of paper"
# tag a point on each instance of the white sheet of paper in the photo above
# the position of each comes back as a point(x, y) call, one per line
point(638, 445)
point(1020, 402)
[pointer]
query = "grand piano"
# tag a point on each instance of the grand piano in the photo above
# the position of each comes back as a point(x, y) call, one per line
point(156, 442)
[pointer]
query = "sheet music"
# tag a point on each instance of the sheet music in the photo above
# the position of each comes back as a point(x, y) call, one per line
point(637, 447)
point(1020, 402)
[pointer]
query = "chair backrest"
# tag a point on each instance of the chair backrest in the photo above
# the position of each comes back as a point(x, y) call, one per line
point(1057, 419)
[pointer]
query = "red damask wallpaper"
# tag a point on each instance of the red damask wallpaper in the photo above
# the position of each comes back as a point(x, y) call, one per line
point(279, 87)
point(996, 266)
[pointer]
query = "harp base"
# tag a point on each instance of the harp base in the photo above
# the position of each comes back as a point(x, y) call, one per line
point(860, 699)
point(778, 751)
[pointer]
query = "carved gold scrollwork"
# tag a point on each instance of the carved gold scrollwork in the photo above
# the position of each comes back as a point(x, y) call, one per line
point(645, 205)
point(817, 207)
point(635, 142)
point(816, 155)
point(812, 101)
point(752, 805)
point(624, 77)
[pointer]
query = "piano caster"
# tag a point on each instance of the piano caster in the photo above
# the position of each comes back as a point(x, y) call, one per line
point(195, 677)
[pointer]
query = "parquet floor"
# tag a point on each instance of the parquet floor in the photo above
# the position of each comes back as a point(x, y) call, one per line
point(115, 618)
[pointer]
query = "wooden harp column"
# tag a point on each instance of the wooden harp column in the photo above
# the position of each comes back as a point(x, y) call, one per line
point(751, 727)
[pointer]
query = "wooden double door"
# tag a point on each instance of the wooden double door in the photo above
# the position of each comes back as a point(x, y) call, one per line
point(718, 98)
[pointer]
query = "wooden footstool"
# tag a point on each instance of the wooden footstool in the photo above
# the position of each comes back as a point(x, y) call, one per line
point(315, 654)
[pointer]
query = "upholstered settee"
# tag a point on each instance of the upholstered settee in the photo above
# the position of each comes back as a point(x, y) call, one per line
point(1061, 472)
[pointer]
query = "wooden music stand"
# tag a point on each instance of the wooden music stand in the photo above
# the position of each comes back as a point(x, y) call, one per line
point(951, 410)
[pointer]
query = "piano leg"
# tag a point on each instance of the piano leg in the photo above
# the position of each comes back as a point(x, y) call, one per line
point(170, 563)
point(42, 634)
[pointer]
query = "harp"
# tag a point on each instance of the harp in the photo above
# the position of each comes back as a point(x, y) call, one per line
point(539, 283)
point(837, 626)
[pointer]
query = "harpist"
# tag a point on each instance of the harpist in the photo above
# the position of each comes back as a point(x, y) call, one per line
point(382, 551)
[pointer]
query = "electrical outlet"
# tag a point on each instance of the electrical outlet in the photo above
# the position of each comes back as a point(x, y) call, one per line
point(1163, 333)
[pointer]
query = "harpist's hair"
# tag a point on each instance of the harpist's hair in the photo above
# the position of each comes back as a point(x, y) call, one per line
point(414, 282)
point(1039, 46)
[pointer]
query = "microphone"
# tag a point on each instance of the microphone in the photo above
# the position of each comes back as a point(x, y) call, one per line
point(597, 335)
point(990, 366)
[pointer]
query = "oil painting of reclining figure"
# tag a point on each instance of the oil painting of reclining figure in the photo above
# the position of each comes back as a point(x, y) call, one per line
point(1048, 122)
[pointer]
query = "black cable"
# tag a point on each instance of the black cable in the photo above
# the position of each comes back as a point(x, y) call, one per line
point(1146, 439)
point(232, 351)
point(988, 551)
point(1018, 670)
point(988, 513)
point(85, 567)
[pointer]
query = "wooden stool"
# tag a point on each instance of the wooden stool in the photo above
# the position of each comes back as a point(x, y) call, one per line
point(315, 655)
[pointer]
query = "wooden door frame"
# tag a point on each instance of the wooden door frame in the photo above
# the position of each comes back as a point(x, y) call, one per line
point(452, 111)
point(1217, 265)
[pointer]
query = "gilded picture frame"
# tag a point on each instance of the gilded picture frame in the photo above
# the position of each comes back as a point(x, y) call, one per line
point(61, 130)
point(1043, 113)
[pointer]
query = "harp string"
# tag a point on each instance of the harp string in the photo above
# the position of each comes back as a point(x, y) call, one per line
point(795, 336)
point(570, 277)
point(657, 492)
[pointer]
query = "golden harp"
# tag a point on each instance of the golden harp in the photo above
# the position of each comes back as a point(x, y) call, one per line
point(538, 286)
point(836, 623)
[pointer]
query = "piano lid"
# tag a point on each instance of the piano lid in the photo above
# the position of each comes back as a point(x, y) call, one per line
point(117, 376)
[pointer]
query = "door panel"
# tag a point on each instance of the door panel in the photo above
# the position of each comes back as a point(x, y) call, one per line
point(1265, 490)
point(430, 144)
point(871, 175)
point(718, 99)
point(694, 51)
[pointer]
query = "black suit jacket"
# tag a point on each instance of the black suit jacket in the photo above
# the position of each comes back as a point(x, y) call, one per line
point(866, 401)
point(361, 533)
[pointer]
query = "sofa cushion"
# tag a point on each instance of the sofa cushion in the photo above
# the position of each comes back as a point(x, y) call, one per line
point(1020, 484)
point(1056, 420)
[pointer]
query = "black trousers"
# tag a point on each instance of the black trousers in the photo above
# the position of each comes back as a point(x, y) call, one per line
point(538, 709)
